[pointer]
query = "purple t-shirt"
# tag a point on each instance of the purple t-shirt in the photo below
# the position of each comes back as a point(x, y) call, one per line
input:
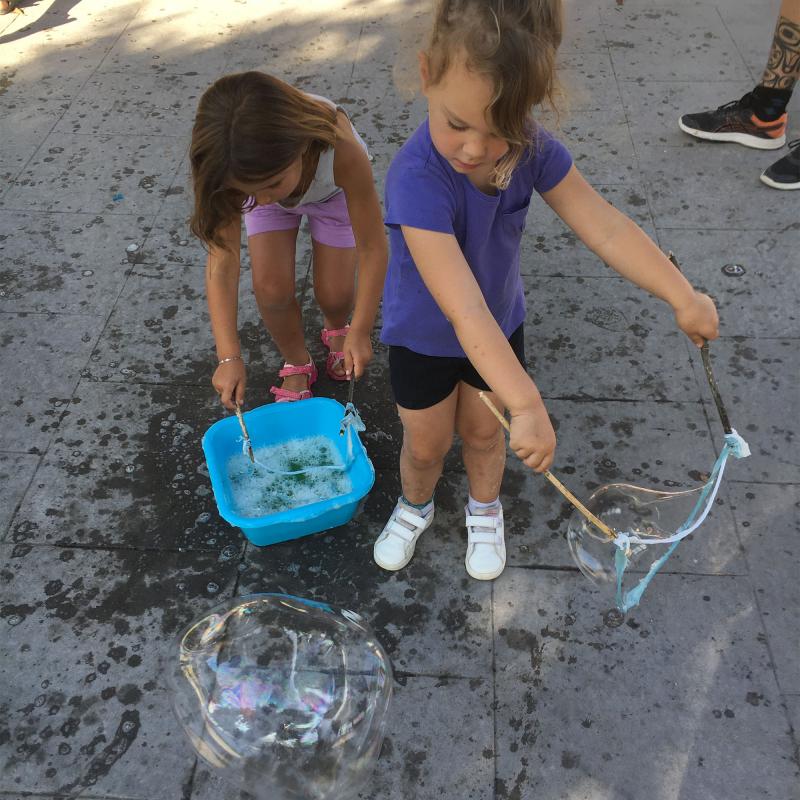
point(424, 191)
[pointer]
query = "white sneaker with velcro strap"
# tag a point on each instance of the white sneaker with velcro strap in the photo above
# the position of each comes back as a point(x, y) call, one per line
point(486, 545)
point(395, 546)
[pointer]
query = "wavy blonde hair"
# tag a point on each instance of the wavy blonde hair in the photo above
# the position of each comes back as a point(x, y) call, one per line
point(513, 43)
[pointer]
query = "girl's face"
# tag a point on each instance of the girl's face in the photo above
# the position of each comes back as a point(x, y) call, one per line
point(461, 127)
point(274, 189)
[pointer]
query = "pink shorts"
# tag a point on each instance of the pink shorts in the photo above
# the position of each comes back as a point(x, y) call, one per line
point(328, 220)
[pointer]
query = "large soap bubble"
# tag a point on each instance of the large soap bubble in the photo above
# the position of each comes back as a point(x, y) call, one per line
point(649, 514)
point(285, 696)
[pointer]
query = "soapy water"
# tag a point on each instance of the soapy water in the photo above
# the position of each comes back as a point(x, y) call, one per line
point(286, 697)
point(257, 492)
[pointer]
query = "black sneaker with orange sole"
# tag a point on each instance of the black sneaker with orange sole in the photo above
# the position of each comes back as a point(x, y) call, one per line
point(785, 173)
point(736, 122)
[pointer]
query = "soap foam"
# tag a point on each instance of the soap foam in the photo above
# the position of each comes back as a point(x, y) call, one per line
point(257, 492)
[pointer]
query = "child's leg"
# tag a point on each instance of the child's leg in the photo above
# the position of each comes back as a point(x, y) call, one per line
point(427, 438)
point(483, 443)
point(272, 259)
point(334, 288)
point(484, 455)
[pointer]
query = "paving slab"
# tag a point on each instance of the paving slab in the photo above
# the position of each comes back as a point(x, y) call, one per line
point(130, 177)
point(31, 122)
point(104, 454)
point(751, 28)
point(588, 81)
point(600, 144)
point(590, 708)
point(431, 617)
point(768, 520)
point(73, 263)
point(671, 41)
point(604, 338)
point(757, 382)
point(160, 330)
point(16, 471)
point(34, 399)
point(680, 180)
point(60, 67)
point(99, 713)
point(127, 470)
point(753, 303)
point(550, 248)
point(583, 28)
point(654, 107)
point(793, 708)
point(416, 761)
point(116, 102)
point(158, 40)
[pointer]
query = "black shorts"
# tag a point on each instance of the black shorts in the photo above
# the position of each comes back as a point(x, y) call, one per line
point(420, 381)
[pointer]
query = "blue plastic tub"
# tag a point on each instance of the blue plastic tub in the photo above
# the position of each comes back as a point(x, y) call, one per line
point(270, 425)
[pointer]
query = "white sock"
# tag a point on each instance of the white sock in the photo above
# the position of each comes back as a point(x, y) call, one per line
point(476, 507)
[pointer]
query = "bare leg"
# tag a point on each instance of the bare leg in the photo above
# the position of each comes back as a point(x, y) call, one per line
point(272, 258)
point(334, 287)
point(427, 437)
point(483, 443)
point(783, 66)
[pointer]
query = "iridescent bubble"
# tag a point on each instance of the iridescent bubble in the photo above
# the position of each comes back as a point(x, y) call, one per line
point(650, 514)
point(287, 697)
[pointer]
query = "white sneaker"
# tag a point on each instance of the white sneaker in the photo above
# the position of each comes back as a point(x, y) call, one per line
point(486, 546)
point(394, 548)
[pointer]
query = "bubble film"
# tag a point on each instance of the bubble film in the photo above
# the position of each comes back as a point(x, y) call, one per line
point(647, 513)
point(287, 697)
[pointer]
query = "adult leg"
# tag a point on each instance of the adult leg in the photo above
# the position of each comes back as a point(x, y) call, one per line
point(777, 83)
point(272, 257)
point(759, 118)
point(334, 288)
point(783, 64)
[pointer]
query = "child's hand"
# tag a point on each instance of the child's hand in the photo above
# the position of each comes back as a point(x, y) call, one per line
point(533, 438)
point(229, 380)
point(698, 319)
point(357, 350)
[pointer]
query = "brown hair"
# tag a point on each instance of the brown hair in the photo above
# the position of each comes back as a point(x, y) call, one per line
point(513, 43)
point(250, 126)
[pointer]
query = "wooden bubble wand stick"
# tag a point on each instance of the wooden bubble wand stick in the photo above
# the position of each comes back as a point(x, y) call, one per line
point(609, 533)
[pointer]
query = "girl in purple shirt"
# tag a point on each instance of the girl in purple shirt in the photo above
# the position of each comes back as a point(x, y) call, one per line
point(457, 194)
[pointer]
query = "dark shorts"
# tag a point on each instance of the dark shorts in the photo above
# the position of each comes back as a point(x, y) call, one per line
point(420, 381)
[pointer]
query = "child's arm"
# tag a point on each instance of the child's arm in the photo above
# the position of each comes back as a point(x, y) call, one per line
point(353, 173)
point(222, 291)
point(449, 279)
point(626, 248)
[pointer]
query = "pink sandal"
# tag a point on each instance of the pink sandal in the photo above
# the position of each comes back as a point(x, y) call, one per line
point(288, 396)
point(334, 358)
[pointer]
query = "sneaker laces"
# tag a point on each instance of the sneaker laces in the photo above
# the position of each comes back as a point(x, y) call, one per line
point(794, 143)
point(746, 100)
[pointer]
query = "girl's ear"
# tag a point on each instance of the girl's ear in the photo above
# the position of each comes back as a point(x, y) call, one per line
point(424, 70)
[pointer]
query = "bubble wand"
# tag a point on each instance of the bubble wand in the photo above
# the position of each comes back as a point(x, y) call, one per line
point(608, 532)
point(734, 445)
